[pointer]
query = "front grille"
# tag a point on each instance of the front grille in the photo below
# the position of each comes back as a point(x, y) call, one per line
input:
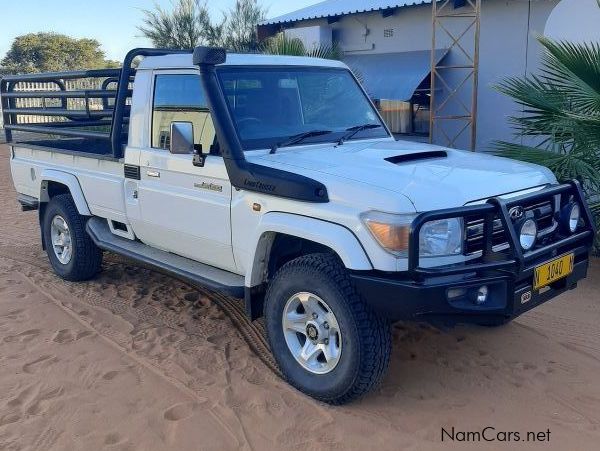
point(543, 212)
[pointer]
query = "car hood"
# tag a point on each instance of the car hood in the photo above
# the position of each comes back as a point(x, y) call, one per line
point(431, 177)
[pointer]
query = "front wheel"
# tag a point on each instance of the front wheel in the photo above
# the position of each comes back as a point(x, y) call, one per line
point(327, 341)
point(72, 253)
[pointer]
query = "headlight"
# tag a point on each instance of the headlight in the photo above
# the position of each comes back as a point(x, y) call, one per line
point(570, 215)
point(527, 234)
point(574, 217)
point(437, 238)
point(441, 238)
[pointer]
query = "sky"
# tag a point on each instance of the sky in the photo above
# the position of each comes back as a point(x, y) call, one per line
point(112, 22)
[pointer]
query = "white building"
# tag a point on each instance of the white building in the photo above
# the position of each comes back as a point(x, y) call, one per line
point(388, 42)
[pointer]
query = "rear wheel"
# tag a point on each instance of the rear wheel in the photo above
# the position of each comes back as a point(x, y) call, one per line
point(72, 253)
point(327, 341)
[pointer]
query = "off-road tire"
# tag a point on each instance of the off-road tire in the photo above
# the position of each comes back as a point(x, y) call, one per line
point(366, 337)
point(86, 259)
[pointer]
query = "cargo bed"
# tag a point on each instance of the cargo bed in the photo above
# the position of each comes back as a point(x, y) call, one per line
point(82, 146)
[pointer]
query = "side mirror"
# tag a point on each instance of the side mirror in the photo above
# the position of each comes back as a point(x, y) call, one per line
point(181, 138)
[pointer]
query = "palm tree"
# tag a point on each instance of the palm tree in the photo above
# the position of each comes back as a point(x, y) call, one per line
point(280, 44)
point(560, 125)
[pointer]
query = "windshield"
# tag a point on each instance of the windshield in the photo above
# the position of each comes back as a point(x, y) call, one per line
point(271, 105)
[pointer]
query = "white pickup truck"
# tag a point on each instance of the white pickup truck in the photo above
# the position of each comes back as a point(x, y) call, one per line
point(274, 179)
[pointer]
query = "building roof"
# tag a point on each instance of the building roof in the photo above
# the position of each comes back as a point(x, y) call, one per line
point(178, 61)
point(330, 8)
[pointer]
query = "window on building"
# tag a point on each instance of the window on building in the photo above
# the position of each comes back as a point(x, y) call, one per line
point(179, 97)
point(388, 33)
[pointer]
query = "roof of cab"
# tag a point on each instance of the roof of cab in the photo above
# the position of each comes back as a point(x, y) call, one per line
point(178, 61)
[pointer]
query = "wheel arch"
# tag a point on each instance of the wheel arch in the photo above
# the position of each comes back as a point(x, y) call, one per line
point(55, 182)
point(281, 237)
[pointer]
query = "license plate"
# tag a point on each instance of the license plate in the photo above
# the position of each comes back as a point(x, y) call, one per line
point(552, 271)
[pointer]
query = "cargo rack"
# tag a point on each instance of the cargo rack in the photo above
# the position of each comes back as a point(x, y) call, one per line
point(100, 122)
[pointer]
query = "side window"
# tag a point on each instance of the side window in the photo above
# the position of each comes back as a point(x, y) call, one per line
point(263, 103)
point(179, 97)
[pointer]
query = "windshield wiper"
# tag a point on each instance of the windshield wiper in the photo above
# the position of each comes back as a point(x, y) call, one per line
point(295, 139)
point(355, 129)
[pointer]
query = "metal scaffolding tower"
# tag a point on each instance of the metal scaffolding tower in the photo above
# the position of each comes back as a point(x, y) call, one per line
point(455, 26)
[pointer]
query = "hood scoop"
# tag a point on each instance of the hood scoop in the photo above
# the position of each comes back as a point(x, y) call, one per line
point(417, 156)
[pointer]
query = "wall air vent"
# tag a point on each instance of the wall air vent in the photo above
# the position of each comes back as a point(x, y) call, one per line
point(409, 157)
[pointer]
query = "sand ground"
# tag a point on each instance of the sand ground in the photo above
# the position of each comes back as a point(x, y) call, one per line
point(136, 360)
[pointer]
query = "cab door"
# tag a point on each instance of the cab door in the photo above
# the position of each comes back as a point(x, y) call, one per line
point(184, 209)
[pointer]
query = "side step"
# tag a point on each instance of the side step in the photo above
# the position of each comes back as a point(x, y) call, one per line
point(28, 203)
point(208, 276)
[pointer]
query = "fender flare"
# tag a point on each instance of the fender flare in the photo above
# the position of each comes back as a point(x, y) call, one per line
point(335, 236)
point(71, 182)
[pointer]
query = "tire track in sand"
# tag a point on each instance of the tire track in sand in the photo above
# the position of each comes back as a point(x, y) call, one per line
point(253, 332)
point(243, 441)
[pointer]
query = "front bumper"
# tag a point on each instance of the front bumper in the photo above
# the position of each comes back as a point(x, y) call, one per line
point(510, 294)
point(423, 293)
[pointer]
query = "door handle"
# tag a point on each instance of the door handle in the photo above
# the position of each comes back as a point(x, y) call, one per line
point(153, 173)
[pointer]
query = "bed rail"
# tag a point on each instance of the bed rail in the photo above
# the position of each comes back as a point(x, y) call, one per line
point(88, 104)
point(66, 104)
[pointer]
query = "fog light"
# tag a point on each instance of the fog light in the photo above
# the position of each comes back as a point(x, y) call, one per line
point(570, 215)
point(528, 234)
point(455, 293)
point(482, 294)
